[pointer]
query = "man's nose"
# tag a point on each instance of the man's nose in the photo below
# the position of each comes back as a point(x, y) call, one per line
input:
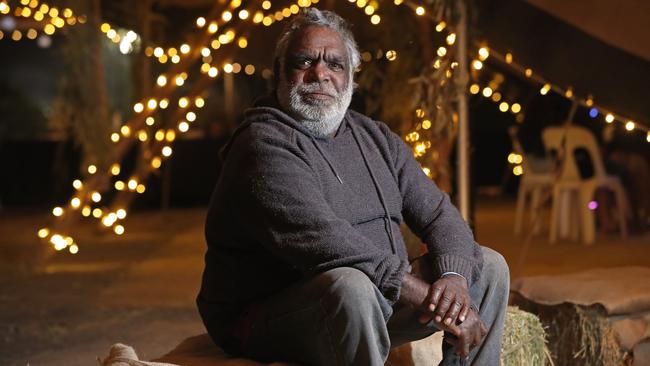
point(318, 72)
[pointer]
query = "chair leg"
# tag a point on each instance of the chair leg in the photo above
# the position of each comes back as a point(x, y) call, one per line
point(573, 213)
point(621, 207)
point(587, 217)
point(566, 218)
point(521, 204)
point(534, 210)
point(552, 232)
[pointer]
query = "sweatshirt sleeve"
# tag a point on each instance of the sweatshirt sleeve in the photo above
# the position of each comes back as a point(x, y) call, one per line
point(429, 213)
point(280, 196)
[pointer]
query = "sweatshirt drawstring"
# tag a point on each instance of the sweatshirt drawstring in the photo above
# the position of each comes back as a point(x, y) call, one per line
point(327, 160)
point(377, 188)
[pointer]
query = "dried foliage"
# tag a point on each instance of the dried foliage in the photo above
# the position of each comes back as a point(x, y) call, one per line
point(81, 108)
point(418, 78)
point(524, 340)
point(577, 335)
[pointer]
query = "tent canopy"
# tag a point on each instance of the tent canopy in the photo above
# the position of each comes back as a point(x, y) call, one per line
point(623, 24)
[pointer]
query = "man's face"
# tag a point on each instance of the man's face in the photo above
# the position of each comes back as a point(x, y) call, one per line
point(315, 85)
point(317, 55)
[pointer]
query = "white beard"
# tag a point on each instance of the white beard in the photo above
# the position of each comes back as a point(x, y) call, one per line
point(321, 117)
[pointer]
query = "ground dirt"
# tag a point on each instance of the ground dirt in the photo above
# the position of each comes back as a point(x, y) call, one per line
point(139, 288)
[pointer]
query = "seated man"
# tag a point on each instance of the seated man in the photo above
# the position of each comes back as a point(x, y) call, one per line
point(305, 260)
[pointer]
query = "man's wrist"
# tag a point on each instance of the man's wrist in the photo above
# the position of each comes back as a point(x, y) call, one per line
point(448, 273)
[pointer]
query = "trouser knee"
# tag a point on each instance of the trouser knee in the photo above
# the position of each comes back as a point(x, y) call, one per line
point(495, 269)
point(347, 287)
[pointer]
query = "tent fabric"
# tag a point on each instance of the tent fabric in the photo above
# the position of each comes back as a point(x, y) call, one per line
point(622, 24)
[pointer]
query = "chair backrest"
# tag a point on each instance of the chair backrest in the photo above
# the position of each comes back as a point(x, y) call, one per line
point(565, 142)
point(529, 169)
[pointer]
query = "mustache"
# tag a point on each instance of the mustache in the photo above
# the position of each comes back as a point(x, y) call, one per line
point(317, 87)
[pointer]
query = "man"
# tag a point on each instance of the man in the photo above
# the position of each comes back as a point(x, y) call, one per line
point(305, 260)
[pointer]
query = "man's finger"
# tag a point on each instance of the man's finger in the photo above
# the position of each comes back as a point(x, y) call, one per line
point(466, 347)
point(443, 305)
point(483, 330)
point(461, 345)
point(452, 329)
point(463, 313)
point(437, 292)
point(452, 314)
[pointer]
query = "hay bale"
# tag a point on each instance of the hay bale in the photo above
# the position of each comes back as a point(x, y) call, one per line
point(577, 335)
point(524, 344)
point(524, 340)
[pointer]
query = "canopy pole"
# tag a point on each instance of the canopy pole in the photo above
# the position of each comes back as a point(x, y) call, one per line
point(463, 158)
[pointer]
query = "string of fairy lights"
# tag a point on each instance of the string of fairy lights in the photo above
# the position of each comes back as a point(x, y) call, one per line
point(88, 196)
point(146, 128)
point(596, 111)
point(491, 91)
point(42, 18)
point(442, 61)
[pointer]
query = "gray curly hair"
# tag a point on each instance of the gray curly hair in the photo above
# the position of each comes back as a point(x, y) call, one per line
point(322, 18)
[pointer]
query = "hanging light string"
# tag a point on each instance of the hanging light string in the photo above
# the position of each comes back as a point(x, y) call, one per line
point(159, 149)
point(546, 86)
point(528, 74)
point(232, 12)
point(443, 63)
point(48, 18)
point(88, 192)
point(515, 159)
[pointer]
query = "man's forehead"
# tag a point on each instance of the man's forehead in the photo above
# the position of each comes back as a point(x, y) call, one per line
point(316, 39)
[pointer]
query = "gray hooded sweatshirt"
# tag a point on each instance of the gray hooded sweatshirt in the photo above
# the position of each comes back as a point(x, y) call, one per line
point(289, 205)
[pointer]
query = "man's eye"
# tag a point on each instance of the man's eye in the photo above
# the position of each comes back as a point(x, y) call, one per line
point(303, 62)
point(335, 66)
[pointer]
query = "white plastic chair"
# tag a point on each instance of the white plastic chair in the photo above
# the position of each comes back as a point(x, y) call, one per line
point(571, 193)
point(534, 181)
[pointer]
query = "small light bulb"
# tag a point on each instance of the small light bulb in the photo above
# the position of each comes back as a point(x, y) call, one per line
point(75, 202)
point(162, 80)
point(119, 229)
point(115, 169)
point(483, 53)
point(43, 233)
point(487, 92)
point(121, 213)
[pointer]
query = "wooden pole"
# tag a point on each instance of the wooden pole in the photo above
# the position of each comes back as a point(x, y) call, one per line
point(463, 158)
point(229, 100)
